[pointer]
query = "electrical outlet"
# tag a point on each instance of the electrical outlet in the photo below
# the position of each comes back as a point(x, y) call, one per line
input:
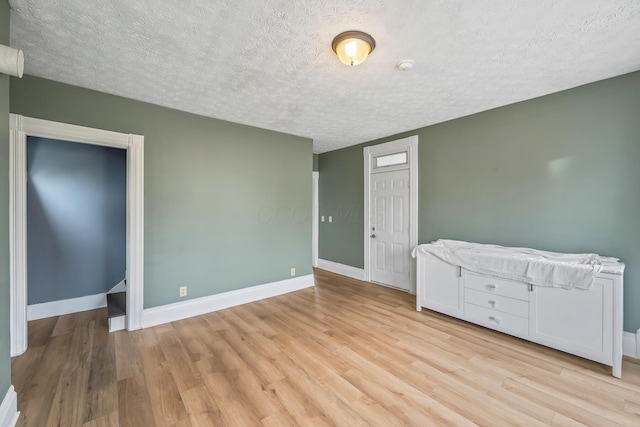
point(183, 291)
point(293, 271)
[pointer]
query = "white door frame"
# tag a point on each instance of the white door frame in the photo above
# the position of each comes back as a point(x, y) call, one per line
point(314, 219)
point(21, 127)
point(410, 145)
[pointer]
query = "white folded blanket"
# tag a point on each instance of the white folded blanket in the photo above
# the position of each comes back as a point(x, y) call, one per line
point(540, 268)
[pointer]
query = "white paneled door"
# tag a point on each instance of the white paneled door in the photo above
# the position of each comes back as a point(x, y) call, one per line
point(389, 234)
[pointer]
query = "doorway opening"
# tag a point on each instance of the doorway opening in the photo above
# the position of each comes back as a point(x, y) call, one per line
point(391, 212)
point(23, 127)
point(76, 228)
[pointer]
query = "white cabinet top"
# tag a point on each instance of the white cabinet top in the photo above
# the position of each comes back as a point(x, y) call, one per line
point(540, 268)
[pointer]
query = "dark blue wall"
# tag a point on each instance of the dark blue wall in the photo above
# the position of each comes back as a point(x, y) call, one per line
point(76, 219)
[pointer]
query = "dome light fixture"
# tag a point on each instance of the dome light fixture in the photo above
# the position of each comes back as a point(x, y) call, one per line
point(353, 47)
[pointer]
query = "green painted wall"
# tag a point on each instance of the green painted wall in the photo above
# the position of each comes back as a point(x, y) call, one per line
point(559, 173)
point(315, 162)
point(340, 195)
point(5, 359)
point(227, 206)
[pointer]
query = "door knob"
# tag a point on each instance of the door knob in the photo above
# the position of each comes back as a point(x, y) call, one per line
point(373, 236)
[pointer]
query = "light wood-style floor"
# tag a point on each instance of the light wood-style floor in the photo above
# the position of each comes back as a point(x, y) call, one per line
point(344, 353)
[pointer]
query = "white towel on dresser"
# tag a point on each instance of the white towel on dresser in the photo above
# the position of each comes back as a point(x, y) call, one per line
point(540, 268)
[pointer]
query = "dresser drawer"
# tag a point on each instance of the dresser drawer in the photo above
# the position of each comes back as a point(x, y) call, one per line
point(497, 302)
point(496, 320)
point(493, 285)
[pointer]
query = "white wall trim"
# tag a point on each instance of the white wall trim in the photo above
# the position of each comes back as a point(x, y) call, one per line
point(631, 344)
point(135, 232)
point(66, 306)
point(411, 145)
point(21, 127)
point(17, 236)
point(345, 270)
point(9, 409)
point(195, 307)
point(314, 219)
point(116, 323)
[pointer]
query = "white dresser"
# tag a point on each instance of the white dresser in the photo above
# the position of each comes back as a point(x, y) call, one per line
point(587, 323)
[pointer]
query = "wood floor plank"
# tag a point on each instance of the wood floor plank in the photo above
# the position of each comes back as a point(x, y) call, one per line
point(254, 394)
point(320, 393)
point(560, 420)
point(184, 372)
point(298, 404)
point(108, 420)
point(631, 407)
point(166, 401)
point(603, 382)
point(403, 408)
point(68, 323)
point(577, 400)
point(146, 338)
point(253, 357)
point(257, 319)
point(24, 368)
point(344, 352)
point(128, 363)
point(206, 419)
point(102, 388)
point(70, 395)
point(35, 412)
point(235, 411)
point(201, 407)
point(279, 419)
point(45, 381)
point(556, 403)
point(134, 405)
point(191, 332)
point(40, 331)
point(216, 323)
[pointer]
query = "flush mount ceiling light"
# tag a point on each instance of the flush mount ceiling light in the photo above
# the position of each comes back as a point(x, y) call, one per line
point(353, 47)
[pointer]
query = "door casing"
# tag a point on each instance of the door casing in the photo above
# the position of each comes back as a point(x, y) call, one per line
point(314, 218)
point(410, 145)
point(21, 127)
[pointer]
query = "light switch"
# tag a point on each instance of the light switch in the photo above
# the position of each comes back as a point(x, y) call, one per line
point(322, 218)
point(330, 218)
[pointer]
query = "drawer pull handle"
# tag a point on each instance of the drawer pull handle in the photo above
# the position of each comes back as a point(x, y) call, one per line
point(494, 319)
point(491, 287)
point(492, 304)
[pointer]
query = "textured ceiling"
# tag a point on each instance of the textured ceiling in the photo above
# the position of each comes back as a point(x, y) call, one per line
point(269, 63)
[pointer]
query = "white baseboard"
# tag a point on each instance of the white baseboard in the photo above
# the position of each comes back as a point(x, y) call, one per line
point(120, 287)
point(9, 409)
point(117, 323)
point(195, 307)
point(67, 306)
point(631, 344)
point(345, 270)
